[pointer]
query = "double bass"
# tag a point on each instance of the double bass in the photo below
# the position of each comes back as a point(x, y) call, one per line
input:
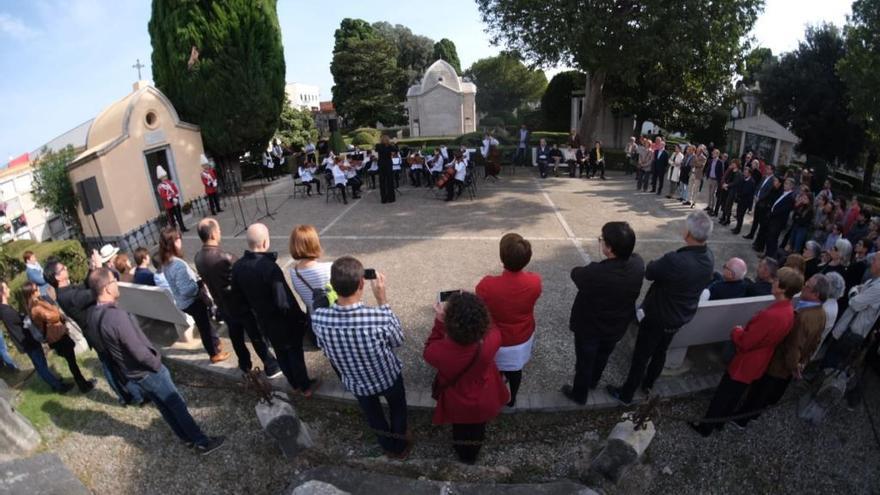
point(448, 175)
point(493, 162)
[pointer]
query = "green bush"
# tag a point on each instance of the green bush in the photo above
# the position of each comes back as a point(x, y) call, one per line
point(560, 138)
point(376, 133)
point(363, 138)
point(421, 142)
point(69, 252)
point(337, 143)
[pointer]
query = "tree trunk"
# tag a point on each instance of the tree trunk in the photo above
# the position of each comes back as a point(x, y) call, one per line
point(640, 122)
point(870, 164)
point(229, 174)
point(592, 106)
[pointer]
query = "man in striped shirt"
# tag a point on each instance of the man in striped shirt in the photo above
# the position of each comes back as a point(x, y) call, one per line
point(359, 341)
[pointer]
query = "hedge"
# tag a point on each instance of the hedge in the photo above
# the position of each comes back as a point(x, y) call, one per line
point(69, 252)
point(362, 138)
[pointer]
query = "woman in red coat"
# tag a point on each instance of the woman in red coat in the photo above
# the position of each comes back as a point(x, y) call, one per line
point(468, 387)
point(755, 345)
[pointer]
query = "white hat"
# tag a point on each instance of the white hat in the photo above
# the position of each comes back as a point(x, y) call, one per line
point(160, 172)
point(108, 251)
point(204, 160)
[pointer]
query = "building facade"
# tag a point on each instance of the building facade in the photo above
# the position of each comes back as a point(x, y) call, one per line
point(442, 104)
point(303, 95)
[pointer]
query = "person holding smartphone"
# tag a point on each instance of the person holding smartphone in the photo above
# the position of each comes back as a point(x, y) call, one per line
point(359, 341)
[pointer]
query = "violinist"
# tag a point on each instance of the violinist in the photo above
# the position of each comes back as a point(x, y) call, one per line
point(337, 170)
point(436, 165)
point(416, 168)
point(307, 172)
point(396, 166)
point(372, 164)
point(351, 170)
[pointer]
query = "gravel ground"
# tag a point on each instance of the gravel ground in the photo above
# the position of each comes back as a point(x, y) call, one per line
point(131, 450)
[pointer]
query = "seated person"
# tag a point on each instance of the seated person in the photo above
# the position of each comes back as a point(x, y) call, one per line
point(556, 157)
point(731, 283)
point(307, 172)
point(435, 165)
point(458, 180)
point(765, 275)
point(396, 164)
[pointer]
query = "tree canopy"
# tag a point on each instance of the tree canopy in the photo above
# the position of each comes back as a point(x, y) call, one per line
point(556, 101)
point(681, 55)
point(858, 69)
point(297, 127)
point(221, 64)
point(365, 75)
point(414, 52)
point(505, 84)
point(52, 189)
point(803, 92)
point(445, 50)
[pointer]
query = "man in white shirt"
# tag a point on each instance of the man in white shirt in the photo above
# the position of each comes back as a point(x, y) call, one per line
point(523, 145)
point(458, 181)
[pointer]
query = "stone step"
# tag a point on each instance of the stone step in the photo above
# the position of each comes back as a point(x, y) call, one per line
point(44, 474)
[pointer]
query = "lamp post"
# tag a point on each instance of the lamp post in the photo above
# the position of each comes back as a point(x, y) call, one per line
point(734, 114)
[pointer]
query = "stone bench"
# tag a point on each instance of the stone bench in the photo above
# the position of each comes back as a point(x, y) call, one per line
point(712, 324)
point(157, 306)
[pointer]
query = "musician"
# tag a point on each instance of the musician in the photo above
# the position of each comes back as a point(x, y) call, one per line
point(268, 163)
point(209, 180)
point(490, 155)
point(581, 158)
point(277, 160)
point(523, 144)
point(542, 155)
point(396, 167)
point(460, 168)
point(372, 164)
point(447, 156)
point(465, 154)
point(328, 161)
point(307, 174)
point(310, 151)
point(555, 157)
point(597, 160)
point(170, 195)
point(416, 169)
point(386, 150)
point(435, 164)
point(340, 180)
point(353, 178)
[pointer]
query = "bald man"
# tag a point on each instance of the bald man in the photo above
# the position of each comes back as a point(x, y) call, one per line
point(732, 283)
point(258, 282)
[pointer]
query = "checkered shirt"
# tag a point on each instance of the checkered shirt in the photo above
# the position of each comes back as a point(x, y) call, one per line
point(359, 341)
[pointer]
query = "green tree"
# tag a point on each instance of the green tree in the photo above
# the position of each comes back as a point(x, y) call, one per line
point(628, 40)
point(221, 64)
point(757, 61)
point(803, 92)
point(52, 189)
point(414, 52)
point(556, 101)
point(858, 69)
point(297, 127)
point(505, 84)
point(445, 50)
point(365, 74)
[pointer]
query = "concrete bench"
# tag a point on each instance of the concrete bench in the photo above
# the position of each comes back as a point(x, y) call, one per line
point(157, 305)
point(712, 324)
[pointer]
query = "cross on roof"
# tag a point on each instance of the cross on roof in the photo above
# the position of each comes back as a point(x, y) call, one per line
point(138, 66)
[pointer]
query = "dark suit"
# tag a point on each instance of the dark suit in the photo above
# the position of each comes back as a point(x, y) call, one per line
point(777, 219)
point(764, 189)
point(661, 161)
point(596, 165)
point(522, 145)
point(542, 155)
point(733, 180)
point(745, 196)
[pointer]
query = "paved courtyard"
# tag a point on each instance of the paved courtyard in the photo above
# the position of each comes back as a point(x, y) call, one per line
point(424, 245)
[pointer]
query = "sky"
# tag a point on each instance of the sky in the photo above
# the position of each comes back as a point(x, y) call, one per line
point(63, 61)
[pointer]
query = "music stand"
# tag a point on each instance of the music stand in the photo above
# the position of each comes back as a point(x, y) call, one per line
point(231, 186)
point(266, 212)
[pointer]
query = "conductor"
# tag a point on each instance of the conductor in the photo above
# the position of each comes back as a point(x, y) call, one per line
point(386, 175)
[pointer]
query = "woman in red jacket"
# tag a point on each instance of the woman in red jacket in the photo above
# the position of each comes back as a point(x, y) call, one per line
point(510, 298)
point(468, 387)
point(755, 345)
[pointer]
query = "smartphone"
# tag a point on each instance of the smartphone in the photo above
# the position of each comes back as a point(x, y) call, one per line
point(444, 295)
point(370, 274)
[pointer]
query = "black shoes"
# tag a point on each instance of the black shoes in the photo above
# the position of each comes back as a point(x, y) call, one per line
point(568, 392)
point(748, 236)
point(211, 445)
point(614, 392)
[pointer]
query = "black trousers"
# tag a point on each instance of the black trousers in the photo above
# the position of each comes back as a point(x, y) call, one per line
point(468, 432)
point(514, 379)
point(175, 217)
point(542, 168)
point(649, 356)
point(771, 241)
point(386, 183)
point(572, 168)
point(741, 208)
point(765, 392)
point(657, 179)
point(65, 349)
point(727, 207)
point(242, 325)
point(727, 397)
point(308, 184)
point(600, 167)
point(451, 186)
point(207, 332)
point(288, 346)
point(758, 217)
point(591, 356)
point(214, 203)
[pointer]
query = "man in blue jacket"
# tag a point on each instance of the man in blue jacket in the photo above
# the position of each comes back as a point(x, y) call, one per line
point(679, 278)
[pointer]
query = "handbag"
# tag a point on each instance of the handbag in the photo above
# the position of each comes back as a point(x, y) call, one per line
point(319, 300)
point(437, 389)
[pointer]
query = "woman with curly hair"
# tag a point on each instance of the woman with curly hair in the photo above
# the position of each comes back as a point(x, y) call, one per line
point(468, 387)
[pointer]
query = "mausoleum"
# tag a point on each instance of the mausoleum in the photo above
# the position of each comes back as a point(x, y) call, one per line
point(115, 177)
point(442, 104)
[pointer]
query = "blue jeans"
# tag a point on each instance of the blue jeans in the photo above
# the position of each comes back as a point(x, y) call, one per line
point(5, 358)
point(798, 238)
point(42, 368)
point(375, 415)
point(161, 390)
point(683, 191)
point(126, 392)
